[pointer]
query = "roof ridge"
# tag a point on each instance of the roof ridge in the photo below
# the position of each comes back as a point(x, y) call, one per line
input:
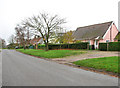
point(96, 24)
point(92, 31)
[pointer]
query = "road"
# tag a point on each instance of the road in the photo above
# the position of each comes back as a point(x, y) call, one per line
point(0, 68)
point(23, 70)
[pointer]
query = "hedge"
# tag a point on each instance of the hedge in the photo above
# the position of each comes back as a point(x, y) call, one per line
point(103, 46)
point(112, 46)
point(27, 47)
point(41, 46)
point(21, 47)
point(82, 45)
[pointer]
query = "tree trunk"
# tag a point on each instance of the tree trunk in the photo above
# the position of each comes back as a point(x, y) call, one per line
point(46, 47)
point(60, 45)
point(24, 47)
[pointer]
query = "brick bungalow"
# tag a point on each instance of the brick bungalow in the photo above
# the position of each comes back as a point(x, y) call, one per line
point(97, 33)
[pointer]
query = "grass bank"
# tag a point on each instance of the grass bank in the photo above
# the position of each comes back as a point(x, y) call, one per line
point(105, 63)
point(51, 53)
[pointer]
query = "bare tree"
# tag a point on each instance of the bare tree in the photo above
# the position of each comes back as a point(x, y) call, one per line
point(3, 43)
point(21, 35)
point(28, 36)
point(11, 39)
point(45, 25)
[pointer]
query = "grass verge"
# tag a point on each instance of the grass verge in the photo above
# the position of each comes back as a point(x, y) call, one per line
point(109, 64)
point(51, 53)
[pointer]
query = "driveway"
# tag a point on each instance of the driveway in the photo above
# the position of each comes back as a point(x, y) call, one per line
point(23, 70)
point(90, 54)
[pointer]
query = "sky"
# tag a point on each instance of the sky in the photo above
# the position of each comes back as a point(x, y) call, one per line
point(78, 13)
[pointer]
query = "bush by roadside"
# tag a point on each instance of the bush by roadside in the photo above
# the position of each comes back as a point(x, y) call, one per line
point(103, 46)
point(111, 46)
point(114, 46)
point(82, 45)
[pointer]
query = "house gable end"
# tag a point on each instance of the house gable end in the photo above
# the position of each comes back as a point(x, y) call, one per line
point(111, 33)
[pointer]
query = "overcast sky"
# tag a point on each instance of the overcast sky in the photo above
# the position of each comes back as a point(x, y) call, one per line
point(78, 13)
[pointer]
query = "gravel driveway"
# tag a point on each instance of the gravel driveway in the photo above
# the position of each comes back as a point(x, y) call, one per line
point(88, 55)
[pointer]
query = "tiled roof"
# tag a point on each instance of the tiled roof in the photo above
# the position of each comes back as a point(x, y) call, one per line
point(35, 40)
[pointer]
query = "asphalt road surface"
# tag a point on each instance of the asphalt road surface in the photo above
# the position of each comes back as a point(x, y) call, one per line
point(0, 68)
point(23, 70)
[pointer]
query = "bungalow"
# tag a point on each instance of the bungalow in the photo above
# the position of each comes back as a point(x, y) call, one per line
point(36, 40)
point(97, 33)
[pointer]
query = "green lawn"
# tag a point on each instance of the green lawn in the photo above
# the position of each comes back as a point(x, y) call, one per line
point(104, 63)
point(51, 53)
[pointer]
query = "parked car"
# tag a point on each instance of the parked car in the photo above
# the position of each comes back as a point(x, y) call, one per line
point(16, 47)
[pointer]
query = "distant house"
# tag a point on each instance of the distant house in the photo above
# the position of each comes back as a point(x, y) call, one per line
point(97, 33)
point(52, 39)
point(55, 38)
point(36, 40)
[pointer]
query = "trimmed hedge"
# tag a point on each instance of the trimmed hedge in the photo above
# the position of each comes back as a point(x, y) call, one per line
point(21, 47)
point(112, 46)
point(82, 45)
point(41, 46)
point(103, 46)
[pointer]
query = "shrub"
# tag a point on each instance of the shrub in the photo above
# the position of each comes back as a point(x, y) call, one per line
point(82, 45)
point(41, 46)
point(114, 46)
point(54, 46)
point(78, 41)
point(103, 46)
point(21, 47)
